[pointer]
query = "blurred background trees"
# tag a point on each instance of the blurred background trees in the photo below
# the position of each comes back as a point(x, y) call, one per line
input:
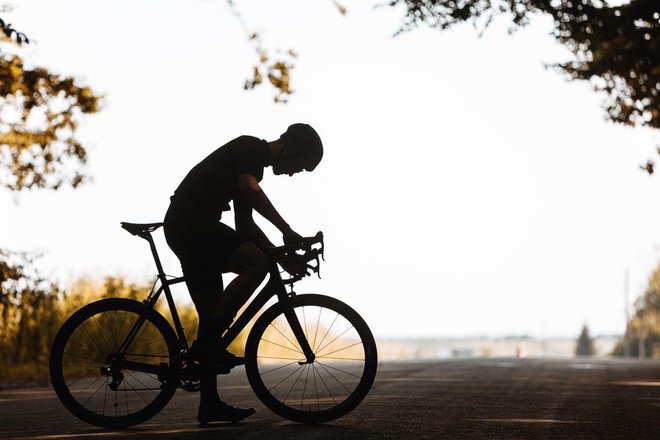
point(642, 336)
point(585, 344)
point(28, 315)
point(33, 309)
point(39, 114)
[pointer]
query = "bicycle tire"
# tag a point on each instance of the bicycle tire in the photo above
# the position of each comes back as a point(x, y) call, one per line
point(358, 362)
point(82, 339)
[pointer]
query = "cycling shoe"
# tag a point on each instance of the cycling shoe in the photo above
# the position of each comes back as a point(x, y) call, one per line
point(222, 412)
point(215, 355)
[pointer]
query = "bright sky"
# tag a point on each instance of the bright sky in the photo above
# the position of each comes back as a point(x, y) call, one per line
point(465, 189)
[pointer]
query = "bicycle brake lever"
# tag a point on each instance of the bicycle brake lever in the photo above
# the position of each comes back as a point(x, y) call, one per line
point(319, 235)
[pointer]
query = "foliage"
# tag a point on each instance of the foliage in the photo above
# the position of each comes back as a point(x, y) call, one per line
point(617, 47)
point(585, 344)
point(33, 309)
point(39, 114)
point(277, 70)
point(8, 33)
point(643, 329)
point(28, 316)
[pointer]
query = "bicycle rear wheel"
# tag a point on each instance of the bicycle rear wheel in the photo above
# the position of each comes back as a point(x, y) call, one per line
point(343, 370)
point(98, 384)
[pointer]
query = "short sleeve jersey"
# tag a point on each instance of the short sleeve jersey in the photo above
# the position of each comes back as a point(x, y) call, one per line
point(209, 187)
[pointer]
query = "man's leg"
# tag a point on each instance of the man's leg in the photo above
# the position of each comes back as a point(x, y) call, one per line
point(251, 266)
point(205, 288)
point(197, 249)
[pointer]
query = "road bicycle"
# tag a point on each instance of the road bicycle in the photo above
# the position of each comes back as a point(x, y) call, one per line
point(309, 358)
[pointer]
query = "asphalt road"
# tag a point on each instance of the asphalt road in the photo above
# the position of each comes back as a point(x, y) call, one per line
point(453, 399)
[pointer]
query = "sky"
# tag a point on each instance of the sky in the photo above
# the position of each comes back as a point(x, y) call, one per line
point(466, 189)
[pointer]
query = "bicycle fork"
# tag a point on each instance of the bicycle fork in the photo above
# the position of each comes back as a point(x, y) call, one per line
point(298, 332)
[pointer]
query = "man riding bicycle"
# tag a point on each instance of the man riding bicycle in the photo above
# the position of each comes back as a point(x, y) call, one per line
point(206, 247)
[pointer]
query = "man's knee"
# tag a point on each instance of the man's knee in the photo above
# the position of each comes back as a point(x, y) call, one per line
point(261, 263)
point(250, 257)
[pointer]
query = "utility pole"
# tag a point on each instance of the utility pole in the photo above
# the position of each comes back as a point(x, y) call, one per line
point(641, 346)
point(626, 342)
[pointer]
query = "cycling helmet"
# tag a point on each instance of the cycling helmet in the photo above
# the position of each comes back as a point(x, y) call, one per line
point(307, 142)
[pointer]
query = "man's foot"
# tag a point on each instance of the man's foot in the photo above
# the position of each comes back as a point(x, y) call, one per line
point(214, 355)
point(221, 412)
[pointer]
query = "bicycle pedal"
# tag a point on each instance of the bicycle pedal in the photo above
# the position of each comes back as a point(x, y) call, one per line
point(230, 364)
point(221, 369)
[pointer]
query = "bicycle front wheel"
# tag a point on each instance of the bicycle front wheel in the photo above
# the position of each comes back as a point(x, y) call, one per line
point(99, 382)
point(344, 366)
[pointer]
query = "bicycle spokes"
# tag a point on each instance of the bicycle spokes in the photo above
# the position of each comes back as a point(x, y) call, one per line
point(99, 377)
point(337, 364)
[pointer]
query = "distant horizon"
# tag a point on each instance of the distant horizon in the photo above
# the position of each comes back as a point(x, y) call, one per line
point(505, 337)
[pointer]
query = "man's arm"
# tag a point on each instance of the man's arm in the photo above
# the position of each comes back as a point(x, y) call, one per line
point(253, 195)
point(246, 225)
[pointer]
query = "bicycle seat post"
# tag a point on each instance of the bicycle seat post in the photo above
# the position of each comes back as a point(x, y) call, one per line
point(144, 230)
point(147, 236)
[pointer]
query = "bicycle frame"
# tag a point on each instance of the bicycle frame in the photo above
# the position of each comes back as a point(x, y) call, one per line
point(274, 287)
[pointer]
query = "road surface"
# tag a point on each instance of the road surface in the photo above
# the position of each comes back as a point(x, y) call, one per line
point(452, 399)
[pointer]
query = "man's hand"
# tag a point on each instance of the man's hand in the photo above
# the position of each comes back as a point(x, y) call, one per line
point(294, 266)
point(291, 237)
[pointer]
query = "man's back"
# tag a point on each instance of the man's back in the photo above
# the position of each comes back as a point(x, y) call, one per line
point(209, 187)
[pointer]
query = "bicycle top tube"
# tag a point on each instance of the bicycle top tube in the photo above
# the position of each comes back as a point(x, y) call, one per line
point(305, 244)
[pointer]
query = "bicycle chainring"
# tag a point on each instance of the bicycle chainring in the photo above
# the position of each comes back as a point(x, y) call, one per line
point(190, 385)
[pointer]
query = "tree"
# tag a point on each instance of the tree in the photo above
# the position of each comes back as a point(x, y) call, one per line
point(615, 47)
point(642, 335)
point(585, 344)
point(39, 114)
point(27, 316)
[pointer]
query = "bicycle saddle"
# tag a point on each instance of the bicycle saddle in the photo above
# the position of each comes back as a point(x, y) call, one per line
point(140, 228)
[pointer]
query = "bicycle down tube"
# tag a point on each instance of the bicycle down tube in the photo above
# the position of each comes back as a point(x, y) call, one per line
point(273, 287)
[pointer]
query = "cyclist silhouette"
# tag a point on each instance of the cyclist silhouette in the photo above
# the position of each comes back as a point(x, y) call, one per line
point(206, 247)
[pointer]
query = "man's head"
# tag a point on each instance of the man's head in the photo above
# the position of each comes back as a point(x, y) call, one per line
point(301, 149)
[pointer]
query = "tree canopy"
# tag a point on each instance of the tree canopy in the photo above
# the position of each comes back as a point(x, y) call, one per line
point(616, 47)
point(39, 115)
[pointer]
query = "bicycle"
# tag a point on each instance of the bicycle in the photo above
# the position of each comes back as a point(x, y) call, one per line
point(309, 358)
